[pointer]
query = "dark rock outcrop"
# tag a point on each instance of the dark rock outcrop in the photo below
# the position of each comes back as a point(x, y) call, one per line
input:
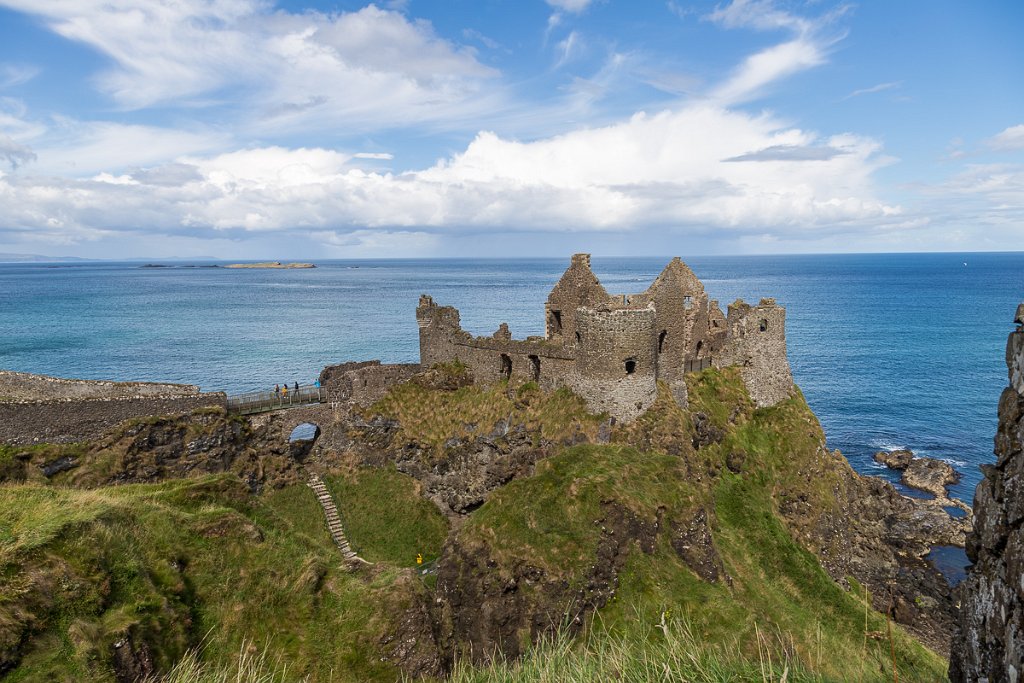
point(488, 608)
point(990, 643)
point(895, 460)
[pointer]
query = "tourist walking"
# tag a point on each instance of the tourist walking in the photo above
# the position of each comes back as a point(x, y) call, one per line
point(277, 390)
point(284, 390)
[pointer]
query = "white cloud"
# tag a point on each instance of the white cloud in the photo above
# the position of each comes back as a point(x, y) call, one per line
point(666, 169)
point(81, 148)
point(757, 14)
point(369, 67)
point(13, 153)
point(881, 87)
point(769, 65)
point(1010, 139)
point(385, 156)
point(808, 48)
point(575, 6)
point(16, 74)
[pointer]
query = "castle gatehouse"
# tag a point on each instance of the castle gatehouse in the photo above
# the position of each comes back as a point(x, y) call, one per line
point(613, 349)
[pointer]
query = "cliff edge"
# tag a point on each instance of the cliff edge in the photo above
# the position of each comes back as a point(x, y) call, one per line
point(990, 642)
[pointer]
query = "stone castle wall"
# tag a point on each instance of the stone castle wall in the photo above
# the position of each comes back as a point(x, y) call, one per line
point(616, 369)
point(670, 329)
point(72, 419)
point(990, 642)
point(756, 343)
point(363, 383)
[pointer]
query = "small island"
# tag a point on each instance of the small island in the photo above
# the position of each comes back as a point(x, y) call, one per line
point(271, 264)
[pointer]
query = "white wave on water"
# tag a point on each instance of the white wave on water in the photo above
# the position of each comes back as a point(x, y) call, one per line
point(886, 445)
point(890, 446)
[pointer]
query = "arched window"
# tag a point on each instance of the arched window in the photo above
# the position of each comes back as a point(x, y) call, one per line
point(661, 340)
point(764, 324)
point(506, 366)
point(535, 368)
point(630, 366)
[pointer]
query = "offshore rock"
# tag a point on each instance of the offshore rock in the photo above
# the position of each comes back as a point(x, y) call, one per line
point(895, 460)
point(990, 643)
point(930, 475)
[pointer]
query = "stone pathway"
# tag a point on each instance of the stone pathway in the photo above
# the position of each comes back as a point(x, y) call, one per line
point(334, 520)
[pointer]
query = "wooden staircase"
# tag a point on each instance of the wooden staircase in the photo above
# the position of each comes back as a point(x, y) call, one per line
point(334, 520)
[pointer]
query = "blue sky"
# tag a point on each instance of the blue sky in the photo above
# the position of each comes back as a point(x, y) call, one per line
point(259, 129)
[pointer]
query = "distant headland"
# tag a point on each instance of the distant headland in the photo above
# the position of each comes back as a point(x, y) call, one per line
point(270, 264)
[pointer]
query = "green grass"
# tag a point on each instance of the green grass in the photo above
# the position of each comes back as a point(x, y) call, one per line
point(385, 518)
point(432, 417)
point(236, 587)
point(169, 563)
point(778, 599)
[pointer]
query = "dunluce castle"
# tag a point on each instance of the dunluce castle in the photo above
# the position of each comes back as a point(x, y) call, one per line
point(613, 349)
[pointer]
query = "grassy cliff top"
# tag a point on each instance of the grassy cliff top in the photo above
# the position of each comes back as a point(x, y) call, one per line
point(708, 581)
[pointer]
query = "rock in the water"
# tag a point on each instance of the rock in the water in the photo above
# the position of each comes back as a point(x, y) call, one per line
point(989, 645)
point(895, 460)
point(930, 475)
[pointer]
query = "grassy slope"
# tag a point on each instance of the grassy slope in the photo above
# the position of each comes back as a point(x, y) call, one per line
point(174, 562)
point(385, 518)
point(779, 595)
point(431, 417)
point(262, 572)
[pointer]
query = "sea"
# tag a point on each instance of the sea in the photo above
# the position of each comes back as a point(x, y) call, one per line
point(890, 350)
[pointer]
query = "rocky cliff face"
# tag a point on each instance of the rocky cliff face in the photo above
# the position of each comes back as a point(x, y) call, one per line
point(990, 642)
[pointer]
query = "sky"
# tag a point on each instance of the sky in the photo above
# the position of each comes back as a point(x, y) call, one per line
point(251, 129)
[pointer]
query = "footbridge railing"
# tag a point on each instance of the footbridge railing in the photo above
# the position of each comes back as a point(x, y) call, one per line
point(263, 401)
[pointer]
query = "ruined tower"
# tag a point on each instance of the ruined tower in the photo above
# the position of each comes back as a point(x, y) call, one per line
point(612, 350)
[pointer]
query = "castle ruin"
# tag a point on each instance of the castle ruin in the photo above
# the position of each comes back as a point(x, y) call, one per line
point(613, 349)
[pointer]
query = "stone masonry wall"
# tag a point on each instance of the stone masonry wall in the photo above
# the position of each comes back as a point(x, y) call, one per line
point(363, 383)
point(990, 643)
point(617, 368)
point(757, 345)
point(70, 420)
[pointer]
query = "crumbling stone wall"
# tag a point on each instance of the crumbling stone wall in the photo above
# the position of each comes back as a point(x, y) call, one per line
point(577, 287)
point(69, 420)
point(990, 642)
point(616, 368)
point(673, 320)
point(756, 343)
point(363, 383)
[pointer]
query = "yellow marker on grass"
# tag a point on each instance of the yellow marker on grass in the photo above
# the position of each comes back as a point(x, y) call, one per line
point(419, 558)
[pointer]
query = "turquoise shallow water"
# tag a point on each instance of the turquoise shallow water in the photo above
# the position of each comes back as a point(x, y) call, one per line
point(890, 350)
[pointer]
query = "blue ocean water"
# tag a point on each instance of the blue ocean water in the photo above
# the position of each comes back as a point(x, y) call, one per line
point(889, 350)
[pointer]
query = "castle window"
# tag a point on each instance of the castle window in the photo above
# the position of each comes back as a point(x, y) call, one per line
point(661, 340)
point(630, 366)
point(579, 338)
point(506, 366)
point(700, 345)
point(556, 321)
point(687, 302)
point(764, 325)
point(535, 368)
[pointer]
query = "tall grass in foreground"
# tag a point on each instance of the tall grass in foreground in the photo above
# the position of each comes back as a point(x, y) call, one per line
point(668, 651)
point(252, 666)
